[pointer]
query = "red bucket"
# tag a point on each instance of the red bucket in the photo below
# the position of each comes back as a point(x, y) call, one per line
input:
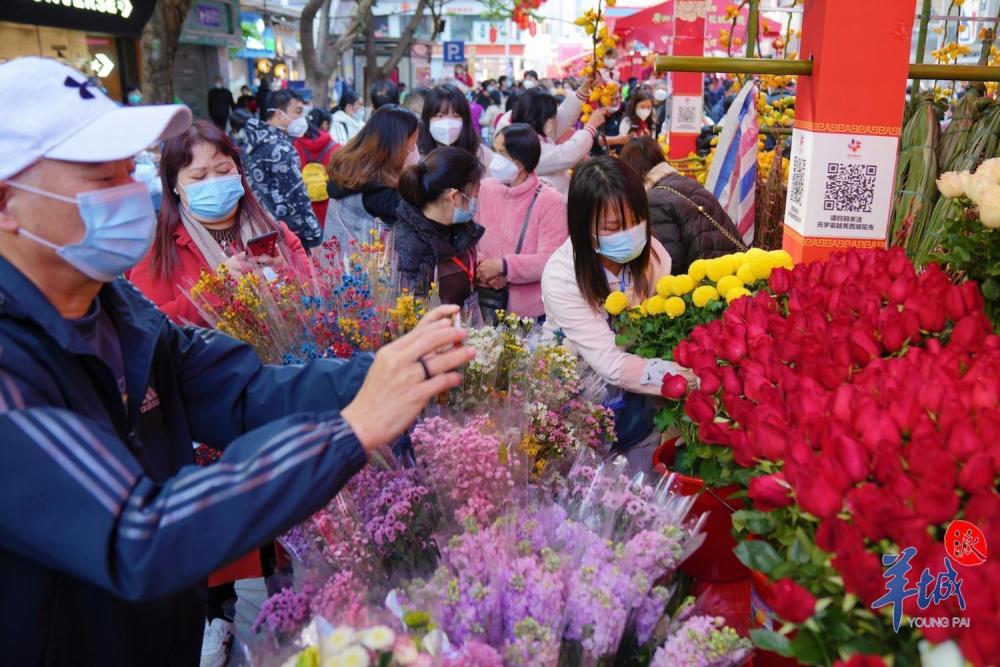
point(714, 561)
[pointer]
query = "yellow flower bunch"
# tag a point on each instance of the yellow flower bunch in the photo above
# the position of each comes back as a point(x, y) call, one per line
point(731, 274)
point(616, 303)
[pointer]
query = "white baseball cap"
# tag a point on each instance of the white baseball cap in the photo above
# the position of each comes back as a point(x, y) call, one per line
point(63, 116)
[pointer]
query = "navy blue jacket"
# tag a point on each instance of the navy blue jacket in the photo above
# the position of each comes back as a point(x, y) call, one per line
point(108, 530)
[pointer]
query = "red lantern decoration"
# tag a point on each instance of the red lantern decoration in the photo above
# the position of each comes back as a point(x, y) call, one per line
point(493, 34)
point(532, 28)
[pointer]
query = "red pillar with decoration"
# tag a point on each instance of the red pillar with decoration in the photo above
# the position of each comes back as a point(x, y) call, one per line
point(844, 147)
point(688, 101)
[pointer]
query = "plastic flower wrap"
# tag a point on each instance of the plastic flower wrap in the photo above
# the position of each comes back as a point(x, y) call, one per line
point(563, 582)
point(349, 301)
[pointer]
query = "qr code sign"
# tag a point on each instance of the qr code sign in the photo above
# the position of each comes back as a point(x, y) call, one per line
point(687, 115)
point(797, 186)
point(849, 187)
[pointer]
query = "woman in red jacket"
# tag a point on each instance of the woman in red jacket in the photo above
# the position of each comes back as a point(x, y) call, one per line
point(207, 216)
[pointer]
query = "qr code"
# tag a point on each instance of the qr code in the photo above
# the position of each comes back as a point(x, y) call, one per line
point(849, 187)
point(797, 186)
point(687, 116)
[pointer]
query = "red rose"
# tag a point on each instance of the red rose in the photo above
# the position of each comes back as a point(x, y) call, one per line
point(936, 504)
point(954, 305)
point(900, 289)
point(893, 335)
point(792, 602)
point(968, 333)
point(780, 281)
point(971, 295)
point(978, 473)
point(853, 458)
point(859, 660)
point(674, 387)
point(770, 492)
point(700, 407)
point(712, 433)
point(731, 381)
point(864, 348)
point(819, 496)
point(709, 381)
point(732, 348)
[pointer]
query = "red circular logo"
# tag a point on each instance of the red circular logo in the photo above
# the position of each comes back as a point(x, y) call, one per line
point(965, 543)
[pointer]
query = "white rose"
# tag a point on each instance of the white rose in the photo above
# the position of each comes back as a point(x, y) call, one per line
point(991, 169)
point(378, 638)
point(977, 185)
point(989, 207)
point(950, 184)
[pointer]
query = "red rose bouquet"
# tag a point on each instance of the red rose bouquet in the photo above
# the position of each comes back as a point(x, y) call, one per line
point(862, 400)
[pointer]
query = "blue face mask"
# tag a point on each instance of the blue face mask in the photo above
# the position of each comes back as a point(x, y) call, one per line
point(119, 225)
point(215, 198)
point(465, 215)
point(623, 247)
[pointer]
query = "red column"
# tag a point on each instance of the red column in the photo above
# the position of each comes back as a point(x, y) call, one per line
point(687, 105)
point(847, 125)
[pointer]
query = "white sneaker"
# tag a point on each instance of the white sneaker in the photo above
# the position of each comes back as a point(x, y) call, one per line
point(216, 642)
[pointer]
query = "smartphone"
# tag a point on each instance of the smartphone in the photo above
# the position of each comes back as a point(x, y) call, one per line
point(265, 244)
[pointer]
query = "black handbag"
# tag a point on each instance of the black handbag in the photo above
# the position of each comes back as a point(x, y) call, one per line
point(491, 300)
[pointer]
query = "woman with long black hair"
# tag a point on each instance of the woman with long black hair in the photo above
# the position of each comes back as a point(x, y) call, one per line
point(609, 249)
point(447, 121)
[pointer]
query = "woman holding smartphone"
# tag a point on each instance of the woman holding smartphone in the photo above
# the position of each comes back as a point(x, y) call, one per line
point(209, 217)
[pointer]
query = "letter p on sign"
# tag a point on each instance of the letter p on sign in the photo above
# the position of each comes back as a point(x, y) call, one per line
point(454, 52)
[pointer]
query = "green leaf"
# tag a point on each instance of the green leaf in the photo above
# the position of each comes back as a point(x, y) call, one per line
point(991, 289)
point(808, 647)
point(754, 521)
point(758, 555)
point(771, 641)
point(799, 552)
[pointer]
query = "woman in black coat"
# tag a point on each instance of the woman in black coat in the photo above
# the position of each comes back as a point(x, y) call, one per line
point(434, 237)
point(685, 217)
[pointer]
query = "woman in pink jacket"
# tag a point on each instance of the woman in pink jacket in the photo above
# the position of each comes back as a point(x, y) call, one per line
point(525, 221)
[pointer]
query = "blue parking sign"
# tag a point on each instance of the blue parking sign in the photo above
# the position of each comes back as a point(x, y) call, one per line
point(454, 52)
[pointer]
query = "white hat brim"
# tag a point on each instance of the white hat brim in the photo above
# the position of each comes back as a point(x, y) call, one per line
point(123, 133)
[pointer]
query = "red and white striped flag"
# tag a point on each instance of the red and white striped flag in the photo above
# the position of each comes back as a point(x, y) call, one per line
point(732, 177)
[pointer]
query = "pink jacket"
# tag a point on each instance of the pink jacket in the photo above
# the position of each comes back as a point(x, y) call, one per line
point(501, 211)
point(586, 328)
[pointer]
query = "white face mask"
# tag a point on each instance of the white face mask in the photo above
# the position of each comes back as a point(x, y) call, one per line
point(298, 127)
point(660, 95)
point(610, 62)
point(503, 170)
point(529, 84)
point(446, 130)
point(643, 114)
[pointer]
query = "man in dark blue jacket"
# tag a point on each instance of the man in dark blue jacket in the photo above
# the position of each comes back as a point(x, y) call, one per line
point(107, 530)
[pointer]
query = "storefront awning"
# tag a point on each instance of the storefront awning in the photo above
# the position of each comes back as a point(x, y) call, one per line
point(112, 17)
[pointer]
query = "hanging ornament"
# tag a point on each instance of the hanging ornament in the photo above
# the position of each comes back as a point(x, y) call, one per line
point(532, 28)
point(493, 34)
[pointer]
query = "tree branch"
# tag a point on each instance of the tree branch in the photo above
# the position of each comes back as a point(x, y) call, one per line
point(405, 39)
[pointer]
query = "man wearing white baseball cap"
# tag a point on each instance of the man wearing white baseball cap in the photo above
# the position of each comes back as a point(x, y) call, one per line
point(108, 531)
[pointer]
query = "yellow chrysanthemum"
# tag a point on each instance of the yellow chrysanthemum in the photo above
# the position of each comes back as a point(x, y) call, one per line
point(727, 283)
point(682, 284)
point(674, 306)
point(736, 293)
point(664, 286)
point(755, 252)
point(616, 303)
point(761, 266)
point(738, 259)
point(746, 274)
point(780, 258)
point(655, 304)
point(718, 268)
point(698, 269)
point(703, 295)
